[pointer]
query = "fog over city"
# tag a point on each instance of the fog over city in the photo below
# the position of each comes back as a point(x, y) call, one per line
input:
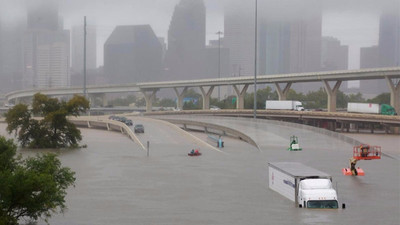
point(352, 24)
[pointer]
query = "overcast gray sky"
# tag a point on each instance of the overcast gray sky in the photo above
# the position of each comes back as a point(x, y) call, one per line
point(354, 22)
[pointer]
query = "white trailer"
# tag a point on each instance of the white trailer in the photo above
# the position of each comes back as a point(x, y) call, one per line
point(305, 186)
point(363, 108)
point(284, 105)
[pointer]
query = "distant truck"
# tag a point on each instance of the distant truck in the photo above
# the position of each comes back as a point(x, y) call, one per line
point(284, 105)
point(383, 109)
point(305, 186)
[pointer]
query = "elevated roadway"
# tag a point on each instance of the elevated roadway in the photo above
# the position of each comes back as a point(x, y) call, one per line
point(282, 82)
point(330, 120)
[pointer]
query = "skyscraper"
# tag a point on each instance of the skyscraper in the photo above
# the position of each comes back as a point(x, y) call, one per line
point(239, 34)
point(46, 59)
point(389, 38)
point(305, 41)
point(387, 53)
point(334, 56)
point(287, 42)
point(132, 54)
point(11, 56)
point(274, 47)
point(46, 47)
point(186, 41)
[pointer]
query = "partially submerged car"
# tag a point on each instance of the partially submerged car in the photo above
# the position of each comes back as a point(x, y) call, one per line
point(139, 128)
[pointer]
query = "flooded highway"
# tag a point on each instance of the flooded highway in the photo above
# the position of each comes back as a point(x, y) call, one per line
point(118, 184)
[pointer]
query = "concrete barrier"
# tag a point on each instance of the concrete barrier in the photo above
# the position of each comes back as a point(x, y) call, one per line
point(111, 125)
point(206, 126)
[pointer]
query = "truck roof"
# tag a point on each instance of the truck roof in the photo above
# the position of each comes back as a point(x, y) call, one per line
point(296, 169)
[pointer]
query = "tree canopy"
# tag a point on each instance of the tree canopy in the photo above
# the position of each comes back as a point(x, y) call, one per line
point(54, 130)
point(31, 188)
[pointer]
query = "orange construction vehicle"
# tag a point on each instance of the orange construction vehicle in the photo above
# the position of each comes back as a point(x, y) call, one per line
point(361, 152)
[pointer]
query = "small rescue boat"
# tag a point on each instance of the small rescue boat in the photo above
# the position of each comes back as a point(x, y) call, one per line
point(347, 172)
point(194, 153)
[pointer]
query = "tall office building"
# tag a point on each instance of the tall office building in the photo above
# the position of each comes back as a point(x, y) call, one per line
point(11, 56)
point(274, 47)
point(132, 54)
point(239, 24)
point(386, 54)
point(288, 42)
point(186, 41)
point(46, 47)
point(369, 57)
point(77, 45)
point(389, 38)
point(46, 59)
point(334, 56)
point(305, 42)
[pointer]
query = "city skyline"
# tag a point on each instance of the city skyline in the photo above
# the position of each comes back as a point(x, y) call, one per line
point(303, 34)
point(353, 24)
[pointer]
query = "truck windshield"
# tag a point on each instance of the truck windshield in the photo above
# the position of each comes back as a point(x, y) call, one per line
point(324, 204)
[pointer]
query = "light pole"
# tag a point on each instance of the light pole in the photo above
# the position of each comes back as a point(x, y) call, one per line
point(255, 63)
point(219, 62)
point(84, 58)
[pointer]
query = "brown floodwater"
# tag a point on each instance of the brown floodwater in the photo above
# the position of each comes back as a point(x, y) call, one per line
point(118, 184)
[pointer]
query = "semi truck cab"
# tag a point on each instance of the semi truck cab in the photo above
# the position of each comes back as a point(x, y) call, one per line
point(317, 193)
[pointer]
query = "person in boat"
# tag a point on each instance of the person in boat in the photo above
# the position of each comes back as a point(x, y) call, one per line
point(364, 150)
point(192, 152)
point(353, 169)
point(196, 151)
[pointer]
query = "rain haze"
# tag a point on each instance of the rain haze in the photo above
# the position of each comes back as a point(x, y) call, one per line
point(353, 24)
point(170, 65)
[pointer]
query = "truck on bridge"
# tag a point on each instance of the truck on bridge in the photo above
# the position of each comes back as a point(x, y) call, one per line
point(372, 108)
point(284, 105)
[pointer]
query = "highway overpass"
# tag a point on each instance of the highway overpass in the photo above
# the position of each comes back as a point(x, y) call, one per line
point(331, 81)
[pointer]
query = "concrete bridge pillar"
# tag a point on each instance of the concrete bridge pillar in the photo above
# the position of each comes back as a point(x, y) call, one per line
point(394, 87)
point(240, 95)
point(91, 98)
point(149, 97)
point(104, 99)
point(283, 93)
point(180, 96)
point(206, 96)
point(332, 92)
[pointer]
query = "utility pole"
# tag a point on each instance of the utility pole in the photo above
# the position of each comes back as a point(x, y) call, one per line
point(84, 57)
point(219, 62)
point(255, 64)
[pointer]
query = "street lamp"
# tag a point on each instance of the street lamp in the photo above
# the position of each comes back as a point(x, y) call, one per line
point(219, 61)
point(255, 63)
point(84, 57)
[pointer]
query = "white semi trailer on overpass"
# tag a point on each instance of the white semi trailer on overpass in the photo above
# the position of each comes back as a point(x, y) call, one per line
point(284, 105)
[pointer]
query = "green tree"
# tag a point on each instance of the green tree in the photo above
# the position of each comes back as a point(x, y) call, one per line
point(54, 130)
point(355, 98)
point(316, 99)
point(165, 102)
point(31, 188)
point(124, 101)
point(383, 98)
point(262, 95)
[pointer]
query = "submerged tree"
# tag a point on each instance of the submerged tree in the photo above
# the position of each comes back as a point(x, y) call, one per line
point(54, 130)
point(31, 188)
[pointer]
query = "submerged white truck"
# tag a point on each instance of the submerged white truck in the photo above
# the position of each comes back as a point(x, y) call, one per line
point(306, 186)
